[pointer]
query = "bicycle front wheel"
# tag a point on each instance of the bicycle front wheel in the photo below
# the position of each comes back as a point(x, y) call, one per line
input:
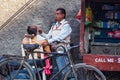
point(11, 69)
point(85, 72)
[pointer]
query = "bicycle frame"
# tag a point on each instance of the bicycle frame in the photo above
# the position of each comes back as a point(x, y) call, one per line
point(52, 54)
point(70, 62)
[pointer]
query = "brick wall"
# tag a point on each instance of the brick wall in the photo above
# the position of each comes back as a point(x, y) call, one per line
point(40, 12)
point(9, 7)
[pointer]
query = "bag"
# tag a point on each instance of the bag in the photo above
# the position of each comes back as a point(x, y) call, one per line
point(55, 45)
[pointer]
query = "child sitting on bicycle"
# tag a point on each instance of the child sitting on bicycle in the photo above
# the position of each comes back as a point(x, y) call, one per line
point(33, 38)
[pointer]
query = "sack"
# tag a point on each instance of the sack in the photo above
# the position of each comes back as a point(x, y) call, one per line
point(55, 45)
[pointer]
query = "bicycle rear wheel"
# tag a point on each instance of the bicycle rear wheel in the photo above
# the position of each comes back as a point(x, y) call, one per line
point(85, 72)
point(11, 69)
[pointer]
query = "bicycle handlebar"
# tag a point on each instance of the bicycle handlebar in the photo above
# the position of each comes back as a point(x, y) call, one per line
point(72, 47)
point(62, 41)
point(32, 47)
point(54, 53)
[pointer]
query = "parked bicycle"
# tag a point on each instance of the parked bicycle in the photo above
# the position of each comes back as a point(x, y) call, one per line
point(12, 67)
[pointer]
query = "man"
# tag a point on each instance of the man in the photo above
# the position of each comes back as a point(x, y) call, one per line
point(60, 31)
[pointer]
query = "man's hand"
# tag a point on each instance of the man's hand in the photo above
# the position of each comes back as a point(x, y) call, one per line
point(45, 43)
point(40, 30)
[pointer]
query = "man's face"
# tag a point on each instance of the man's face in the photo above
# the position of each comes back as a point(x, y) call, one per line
point(59, 16)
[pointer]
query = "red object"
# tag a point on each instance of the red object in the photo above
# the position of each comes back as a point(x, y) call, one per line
point(116, 34)
point(78, 16)
point(47, 67)
point(82, 27)
point(110, 34)
point(103, 62)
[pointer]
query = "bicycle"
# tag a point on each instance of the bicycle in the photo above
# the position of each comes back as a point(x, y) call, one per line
point(78, 71)
point(12, 66)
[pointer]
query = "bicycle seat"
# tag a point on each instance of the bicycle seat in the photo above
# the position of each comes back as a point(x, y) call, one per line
point(30, 47)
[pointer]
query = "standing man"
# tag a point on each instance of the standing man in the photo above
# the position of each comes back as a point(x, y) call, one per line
point(60, 31)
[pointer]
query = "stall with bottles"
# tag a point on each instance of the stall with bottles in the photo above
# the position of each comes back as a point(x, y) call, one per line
point(100, 33)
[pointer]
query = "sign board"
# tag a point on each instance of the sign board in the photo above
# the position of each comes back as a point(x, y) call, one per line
point(103, 62)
